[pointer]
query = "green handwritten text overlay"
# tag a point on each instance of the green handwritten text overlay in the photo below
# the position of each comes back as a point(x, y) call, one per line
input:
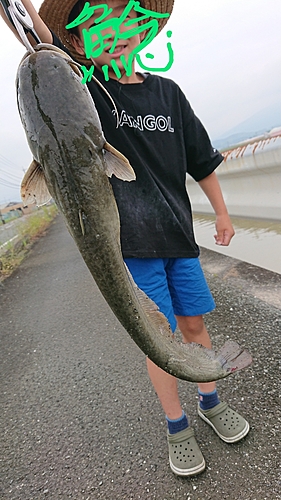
point(96, 42)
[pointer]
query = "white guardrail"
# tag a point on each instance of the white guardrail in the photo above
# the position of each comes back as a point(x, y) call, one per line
point(250, 178)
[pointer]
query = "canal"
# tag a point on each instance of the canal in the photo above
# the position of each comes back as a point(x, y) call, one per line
point(256, 241)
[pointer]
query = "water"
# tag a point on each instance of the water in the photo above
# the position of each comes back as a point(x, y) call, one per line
point(256, 241)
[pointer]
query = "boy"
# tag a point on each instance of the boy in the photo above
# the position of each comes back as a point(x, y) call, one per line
point(162, 138)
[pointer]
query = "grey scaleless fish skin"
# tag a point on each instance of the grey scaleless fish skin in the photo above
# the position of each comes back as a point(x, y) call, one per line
point(65, 136)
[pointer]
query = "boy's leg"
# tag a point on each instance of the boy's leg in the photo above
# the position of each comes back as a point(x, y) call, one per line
point(185, 456)
point(150, 276)
point(191, 299)
point(166, 388)
point(227, 423)
point(193, 329)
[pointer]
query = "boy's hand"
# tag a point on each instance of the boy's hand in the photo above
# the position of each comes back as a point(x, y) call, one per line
point(224, 229)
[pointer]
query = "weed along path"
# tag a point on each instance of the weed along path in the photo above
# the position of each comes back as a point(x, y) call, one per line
point(79, 417)
point(17, 237)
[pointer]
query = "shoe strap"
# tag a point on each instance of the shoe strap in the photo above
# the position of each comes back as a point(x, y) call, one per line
point(181, 436)
point(213, 412)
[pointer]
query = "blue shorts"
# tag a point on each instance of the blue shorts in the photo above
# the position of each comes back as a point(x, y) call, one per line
point(177, 286)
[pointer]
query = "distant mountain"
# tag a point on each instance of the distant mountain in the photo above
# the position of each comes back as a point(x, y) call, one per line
point(259, 123)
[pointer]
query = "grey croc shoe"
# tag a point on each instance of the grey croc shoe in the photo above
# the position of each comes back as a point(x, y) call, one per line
point(227, 423)
point(185, 456)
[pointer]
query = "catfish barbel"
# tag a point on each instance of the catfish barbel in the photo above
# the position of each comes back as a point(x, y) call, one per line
point(74, 161)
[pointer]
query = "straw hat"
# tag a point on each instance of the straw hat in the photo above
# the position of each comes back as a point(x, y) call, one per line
point(55, 14)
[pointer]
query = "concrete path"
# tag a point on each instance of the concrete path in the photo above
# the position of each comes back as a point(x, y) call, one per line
point(79, 418)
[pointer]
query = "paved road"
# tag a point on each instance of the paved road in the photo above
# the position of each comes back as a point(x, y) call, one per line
point(79, 417)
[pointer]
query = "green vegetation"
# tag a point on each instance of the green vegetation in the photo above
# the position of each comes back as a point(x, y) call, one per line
point(30, 229)
point(37, 222)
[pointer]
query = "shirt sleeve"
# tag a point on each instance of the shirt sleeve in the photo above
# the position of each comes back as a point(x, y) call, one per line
point(202, 157)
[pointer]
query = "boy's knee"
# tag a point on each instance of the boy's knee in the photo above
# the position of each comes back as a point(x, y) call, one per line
point(191, 325)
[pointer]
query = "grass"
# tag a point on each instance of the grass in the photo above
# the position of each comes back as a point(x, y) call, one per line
point(30, 229)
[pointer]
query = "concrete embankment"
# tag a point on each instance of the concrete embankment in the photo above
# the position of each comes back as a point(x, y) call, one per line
point(250, 179)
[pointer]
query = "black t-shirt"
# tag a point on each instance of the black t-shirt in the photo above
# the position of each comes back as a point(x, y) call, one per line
point(163, 140)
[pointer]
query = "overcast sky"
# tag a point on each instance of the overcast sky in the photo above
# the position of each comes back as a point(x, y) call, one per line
point(227, 61)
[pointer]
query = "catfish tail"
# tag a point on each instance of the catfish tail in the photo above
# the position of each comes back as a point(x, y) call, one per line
point(232, 357)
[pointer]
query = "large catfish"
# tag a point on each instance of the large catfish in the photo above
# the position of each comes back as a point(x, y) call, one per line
point(74, 161)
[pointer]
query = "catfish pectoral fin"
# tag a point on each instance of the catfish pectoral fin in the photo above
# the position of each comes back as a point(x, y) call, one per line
point(117, 164)
point(33, 186)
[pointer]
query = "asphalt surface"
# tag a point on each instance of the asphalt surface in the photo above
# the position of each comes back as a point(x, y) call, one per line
point(79, 418)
